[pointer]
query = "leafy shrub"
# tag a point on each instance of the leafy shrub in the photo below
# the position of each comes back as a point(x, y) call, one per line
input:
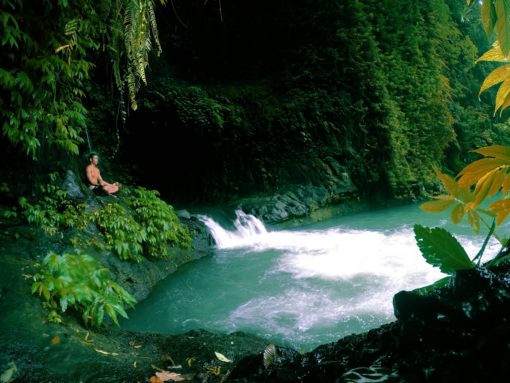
point(159, 224)
point(141, 223)
point(121, 231)
point(54, 211)
point(80, 282)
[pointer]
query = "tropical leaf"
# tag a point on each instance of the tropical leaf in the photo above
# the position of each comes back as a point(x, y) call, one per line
point(494, 54)
point(498, 75)
point(437, 206)
point(505, 105)
point(441, 249)
point(472, 173)
point(474, 220)
point(496, 151)
point(505, 186)
point(489, 16)
point(457, 213)
point(501, 208)
point(448, 182)
point(489, 185)
point(503, 24)
point(502, 95)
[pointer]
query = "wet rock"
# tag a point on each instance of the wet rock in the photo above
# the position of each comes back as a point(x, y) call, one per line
point(73, 186)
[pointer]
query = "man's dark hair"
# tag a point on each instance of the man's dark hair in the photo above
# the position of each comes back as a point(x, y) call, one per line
point(92, 154)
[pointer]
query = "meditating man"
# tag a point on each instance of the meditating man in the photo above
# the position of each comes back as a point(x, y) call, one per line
point(95, 180)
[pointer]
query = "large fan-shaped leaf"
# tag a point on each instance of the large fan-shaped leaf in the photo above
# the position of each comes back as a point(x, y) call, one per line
point(441, 249)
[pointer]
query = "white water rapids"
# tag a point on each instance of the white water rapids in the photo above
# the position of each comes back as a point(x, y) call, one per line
point(301, 287)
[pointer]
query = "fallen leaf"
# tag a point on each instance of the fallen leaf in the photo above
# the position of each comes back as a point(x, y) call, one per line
point(137, 345)
point(222, 357)
point(190, 361)
point(115, 353)
point(8, 375)
point(155, 379)
point(27, 276)
point(165, 376)
point(102, 352)
point(134, 364)
point(55, 340)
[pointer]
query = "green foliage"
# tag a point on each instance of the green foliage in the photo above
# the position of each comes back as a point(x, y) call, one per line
point(80, 282)
point(54, 211)
point(441, 249)
point(49, 51)
point(158, 224)
point(133, 226)
point(121, 231)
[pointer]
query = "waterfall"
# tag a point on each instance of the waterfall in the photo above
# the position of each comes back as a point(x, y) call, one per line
point(247, 230)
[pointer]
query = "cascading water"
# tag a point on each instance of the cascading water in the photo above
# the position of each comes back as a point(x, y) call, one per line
point(300, 287)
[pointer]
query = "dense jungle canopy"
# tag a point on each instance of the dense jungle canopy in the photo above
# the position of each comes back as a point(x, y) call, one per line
point(247, 96)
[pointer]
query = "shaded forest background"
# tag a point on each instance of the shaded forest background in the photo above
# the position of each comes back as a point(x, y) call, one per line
point(258, 95)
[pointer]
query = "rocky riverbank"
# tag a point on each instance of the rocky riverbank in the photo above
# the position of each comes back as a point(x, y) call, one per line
point(456, 333)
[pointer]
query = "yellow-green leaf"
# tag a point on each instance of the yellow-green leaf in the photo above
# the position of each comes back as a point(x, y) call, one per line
point(448, 182)
point(503, 24)
point(494, 54)
point(488, 17)
point(457, 213)
point(489, 185)
point(474, 220)
point(436, 206)
point(501, 208)
point(505, 186)
point(498, 75)
point(505, 105)
point(496, 151)
point(502, 95)
point(472, 173)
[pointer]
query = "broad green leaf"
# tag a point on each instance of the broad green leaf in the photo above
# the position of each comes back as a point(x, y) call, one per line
point(441, 249)
point(436, 206)
point(498, 75)
point(503, 24)
point(496, 151)
point(457, 213)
